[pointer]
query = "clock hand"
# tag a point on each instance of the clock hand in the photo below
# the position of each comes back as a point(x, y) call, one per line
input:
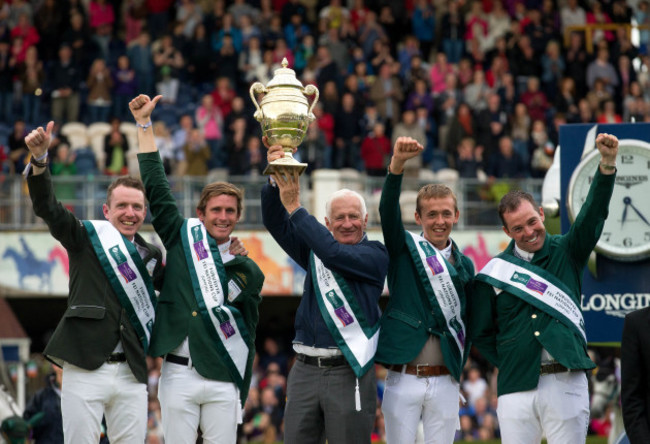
point(639, 213)
point(626, 201)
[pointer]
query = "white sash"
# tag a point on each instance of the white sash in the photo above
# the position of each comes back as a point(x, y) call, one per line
point(208, 281)
point(344, 318)
point(526, 281)
point(127, 274)
point(441, 284)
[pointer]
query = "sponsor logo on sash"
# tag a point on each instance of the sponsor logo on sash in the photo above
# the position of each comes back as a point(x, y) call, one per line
point(529, 282)
point(224, 322)
point(197, 243)
point(122, 264)
point(455, 324)
point(339, 308)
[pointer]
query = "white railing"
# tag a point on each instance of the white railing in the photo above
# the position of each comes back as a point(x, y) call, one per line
point(86, 194)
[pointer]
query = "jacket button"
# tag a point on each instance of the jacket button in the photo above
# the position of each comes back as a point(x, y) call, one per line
point(536, 333)
point(121, 327)
point(534, 316)
point(194, 313)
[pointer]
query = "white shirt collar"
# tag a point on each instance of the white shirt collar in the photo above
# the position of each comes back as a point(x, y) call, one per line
point(521, 254)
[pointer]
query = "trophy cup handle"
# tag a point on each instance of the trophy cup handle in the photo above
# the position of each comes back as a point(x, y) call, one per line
point(308, 91)
point(257, 88)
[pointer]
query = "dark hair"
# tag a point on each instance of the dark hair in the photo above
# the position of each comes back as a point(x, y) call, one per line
point(511, 201)
point(217, 189)
point(125, 181)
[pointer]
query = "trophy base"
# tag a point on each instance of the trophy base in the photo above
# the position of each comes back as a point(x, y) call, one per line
point(285, 163)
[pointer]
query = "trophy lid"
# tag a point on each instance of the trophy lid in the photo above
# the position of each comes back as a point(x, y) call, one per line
point(284, 77)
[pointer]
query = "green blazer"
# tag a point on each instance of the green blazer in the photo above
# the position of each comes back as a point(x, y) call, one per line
point(177, 314)
point(408, 320)
point(94, 321)
point(511, 333)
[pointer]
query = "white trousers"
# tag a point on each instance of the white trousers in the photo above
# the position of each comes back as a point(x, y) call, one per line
point(112, 391)
point(558, 407)
point(189, 401)
point(408, 398)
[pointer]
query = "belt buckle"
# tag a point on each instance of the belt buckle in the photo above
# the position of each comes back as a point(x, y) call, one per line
point(319, 363)
point(417, 370)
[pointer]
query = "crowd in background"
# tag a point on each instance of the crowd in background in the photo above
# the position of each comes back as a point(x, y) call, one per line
point(482, 84)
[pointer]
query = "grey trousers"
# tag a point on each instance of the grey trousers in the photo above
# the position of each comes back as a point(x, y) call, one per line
point(321, 405)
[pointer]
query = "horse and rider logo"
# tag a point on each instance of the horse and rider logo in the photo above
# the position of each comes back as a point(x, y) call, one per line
point(28, 265)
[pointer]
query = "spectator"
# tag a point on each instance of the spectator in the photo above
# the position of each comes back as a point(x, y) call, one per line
point(141, 59)
point(446, 103)
point(476, 93)
point(17, 149)
point(420, 97)
point(100, 84)
point(27, 34)
point(31, 76)
point(491, 125)
point(165, 146)
point(520, 124)
point(223, 95)
point(498, 22)
point(348, 134)
point(607, 113)
point(124, 87)
point(469, 159)
point(49, 21)
point(209, 120)
point(375, 151)
point(273, 353)
point(63, 164)
point(542, 149)
point(314, 149)
point(116, 146)
point(295, 31)
point(237, 147)
point(535, 99)
point(423, 22)
point(168, 61)
point(506, 163)
point(552, 68)
point(251, 58)
point(197, 154)
point(634, 104)
point(256, 155)
point(439, 71)
point(7, 72)
point(227, 59)
point(452, 32)
point(599, 17)
point(602, 69)
point(201, 58)
point(386, 92)
point(49, 429)
point(475, 386)
point(463, 125)
point(572, 14)
point(65, 78)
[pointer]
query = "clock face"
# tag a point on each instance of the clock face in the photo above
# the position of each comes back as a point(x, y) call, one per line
point(626, 234)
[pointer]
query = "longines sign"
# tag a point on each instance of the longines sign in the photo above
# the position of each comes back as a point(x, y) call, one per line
point(616, 304)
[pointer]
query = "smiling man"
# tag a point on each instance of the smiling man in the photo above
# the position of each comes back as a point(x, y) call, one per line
point(526, 317)
point(331, 392)
point(103, 337)
point(422, 339)
point(208, 308)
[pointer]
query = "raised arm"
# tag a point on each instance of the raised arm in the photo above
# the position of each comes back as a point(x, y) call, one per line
point(141, 107)
point(391, 215)
point(38, 141)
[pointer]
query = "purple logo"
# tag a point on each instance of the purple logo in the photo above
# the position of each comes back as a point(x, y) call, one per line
point(344, 316)
point(434, 265)
point(122, 265)
point(201, 252)
point(536, 286)
point(227, 329)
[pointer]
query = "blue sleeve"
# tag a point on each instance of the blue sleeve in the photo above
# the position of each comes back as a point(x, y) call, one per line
point(276, 220)
point(365, 261)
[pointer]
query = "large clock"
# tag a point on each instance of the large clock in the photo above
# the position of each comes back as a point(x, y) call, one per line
point(626, 234)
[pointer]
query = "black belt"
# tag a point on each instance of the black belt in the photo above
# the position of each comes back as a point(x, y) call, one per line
point(175, 359)
point(334, 361)
point(549, 369)
point(116, 357)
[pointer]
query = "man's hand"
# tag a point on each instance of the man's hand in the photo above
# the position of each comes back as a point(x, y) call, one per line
point(142, 106)
point(288, 182)
point(38, 141)
point(237, 247)
point(607, 145)
point(405, 148)
point(274, 152)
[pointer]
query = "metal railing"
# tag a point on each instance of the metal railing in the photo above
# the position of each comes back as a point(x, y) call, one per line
point(84, 195)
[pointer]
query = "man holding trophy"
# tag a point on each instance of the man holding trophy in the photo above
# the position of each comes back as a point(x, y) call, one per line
point(331, 393)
